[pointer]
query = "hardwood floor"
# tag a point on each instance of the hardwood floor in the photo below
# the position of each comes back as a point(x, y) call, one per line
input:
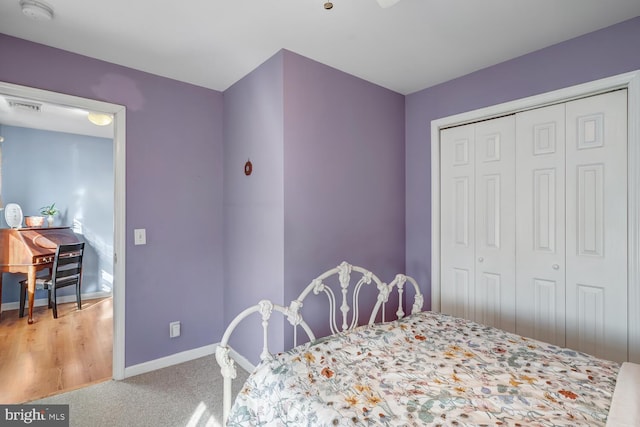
point(51, 355)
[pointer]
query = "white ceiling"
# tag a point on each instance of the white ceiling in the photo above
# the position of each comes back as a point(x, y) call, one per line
point(410, 46)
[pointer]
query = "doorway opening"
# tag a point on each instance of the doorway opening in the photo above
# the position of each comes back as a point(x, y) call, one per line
point(118, 112)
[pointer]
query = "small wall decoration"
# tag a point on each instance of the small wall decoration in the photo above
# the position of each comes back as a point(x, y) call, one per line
point(248, 168)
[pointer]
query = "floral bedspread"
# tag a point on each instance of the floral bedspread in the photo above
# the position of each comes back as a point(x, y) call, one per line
point(427, 369)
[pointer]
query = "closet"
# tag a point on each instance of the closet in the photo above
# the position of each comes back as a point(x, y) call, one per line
point(533, 223)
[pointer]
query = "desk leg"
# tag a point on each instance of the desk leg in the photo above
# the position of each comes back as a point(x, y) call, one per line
point(1, 294)
point(31, 280)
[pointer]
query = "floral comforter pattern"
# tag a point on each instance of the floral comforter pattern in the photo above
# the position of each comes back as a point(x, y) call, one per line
point(427, 369)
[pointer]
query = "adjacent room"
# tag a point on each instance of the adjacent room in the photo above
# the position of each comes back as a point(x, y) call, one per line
point(252, 146)
point(68, 190)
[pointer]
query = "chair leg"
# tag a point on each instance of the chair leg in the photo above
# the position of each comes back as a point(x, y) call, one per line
point(54, 302)
point(23, 295)
point(78, 298)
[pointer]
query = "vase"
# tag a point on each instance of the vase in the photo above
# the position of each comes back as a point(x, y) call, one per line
point(50, 221)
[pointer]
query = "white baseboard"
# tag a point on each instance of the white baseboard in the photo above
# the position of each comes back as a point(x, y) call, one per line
point(170, 360)
point(182, 357)
point(61, 300)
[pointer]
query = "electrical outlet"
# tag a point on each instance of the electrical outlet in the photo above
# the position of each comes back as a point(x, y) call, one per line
point(174, 329)
point(140, 236)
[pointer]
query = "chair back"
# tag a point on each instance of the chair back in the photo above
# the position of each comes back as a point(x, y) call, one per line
point(67, 265)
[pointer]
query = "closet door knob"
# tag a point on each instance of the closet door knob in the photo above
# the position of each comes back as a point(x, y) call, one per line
point(555, 266)
point(480, 259)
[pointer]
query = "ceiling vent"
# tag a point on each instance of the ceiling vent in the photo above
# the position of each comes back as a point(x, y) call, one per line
point(24, 105)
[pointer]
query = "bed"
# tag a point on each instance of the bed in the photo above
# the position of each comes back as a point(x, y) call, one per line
point(424, 368)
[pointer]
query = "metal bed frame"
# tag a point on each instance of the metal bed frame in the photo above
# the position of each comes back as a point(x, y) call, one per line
point(349, 319)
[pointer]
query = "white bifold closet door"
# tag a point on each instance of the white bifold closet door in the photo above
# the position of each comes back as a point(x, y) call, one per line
point(478, 222)
point(571, 196)
point(596, 207)
point(540, 254)
point(457, 235)
point(534, 223)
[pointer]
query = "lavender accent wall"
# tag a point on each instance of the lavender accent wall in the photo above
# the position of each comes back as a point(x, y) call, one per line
point(603, 53)
point(174, 188)
point(328, 185)
point(254, 204)
point(343, 177)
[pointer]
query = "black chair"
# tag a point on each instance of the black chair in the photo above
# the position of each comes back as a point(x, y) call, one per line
point(66, 271)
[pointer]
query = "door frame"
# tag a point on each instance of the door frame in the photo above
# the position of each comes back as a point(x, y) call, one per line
point(119, 238)
point(630, 81)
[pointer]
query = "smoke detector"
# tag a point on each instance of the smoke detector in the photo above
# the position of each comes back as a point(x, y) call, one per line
point(37, 10)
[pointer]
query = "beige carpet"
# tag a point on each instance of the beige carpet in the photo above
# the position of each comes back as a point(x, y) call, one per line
point(184, 395)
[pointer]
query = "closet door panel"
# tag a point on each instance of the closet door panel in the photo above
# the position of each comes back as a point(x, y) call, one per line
point(495, 223)
point(540, 232)
point(457, 235)
point(597, 225)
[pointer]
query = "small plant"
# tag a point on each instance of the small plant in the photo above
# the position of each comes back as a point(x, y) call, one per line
point(49, 210)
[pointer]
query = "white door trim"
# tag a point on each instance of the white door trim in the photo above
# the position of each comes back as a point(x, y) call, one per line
point(631, 81)
point(119, 113)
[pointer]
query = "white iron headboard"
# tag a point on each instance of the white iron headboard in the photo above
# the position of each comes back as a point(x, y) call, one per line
point(346, 273)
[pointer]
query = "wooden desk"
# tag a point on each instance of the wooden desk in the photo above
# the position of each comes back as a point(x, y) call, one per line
point(29, 250)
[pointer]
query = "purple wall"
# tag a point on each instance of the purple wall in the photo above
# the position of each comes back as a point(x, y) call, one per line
point(343, 175)
point(328, 184)
point(613, 50)
point(328, 149)
point(174, 188)
point(253, 204)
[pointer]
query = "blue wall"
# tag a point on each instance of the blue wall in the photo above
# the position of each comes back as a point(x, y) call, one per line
point(74, 171)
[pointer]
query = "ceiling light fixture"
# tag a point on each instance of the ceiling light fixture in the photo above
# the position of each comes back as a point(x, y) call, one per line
point(100, 119)
point(37, 10)
point(387, 3)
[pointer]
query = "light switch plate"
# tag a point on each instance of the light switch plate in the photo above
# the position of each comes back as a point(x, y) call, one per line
point(140, 236)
